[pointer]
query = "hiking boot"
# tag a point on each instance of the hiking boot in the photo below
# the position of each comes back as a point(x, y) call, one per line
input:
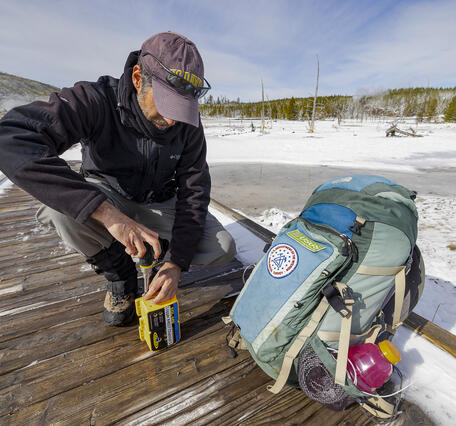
point(122, 286)
point(119, 310)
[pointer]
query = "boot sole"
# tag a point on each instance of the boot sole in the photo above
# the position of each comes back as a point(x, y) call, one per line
point(120, 319)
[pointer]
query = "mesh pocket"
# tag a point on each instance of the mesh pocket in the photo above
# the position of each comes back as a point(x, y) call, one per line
point(318, 384)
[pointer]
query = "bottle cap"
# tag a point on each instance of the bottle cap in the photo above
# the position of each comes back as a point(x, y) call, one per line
point(389, 351)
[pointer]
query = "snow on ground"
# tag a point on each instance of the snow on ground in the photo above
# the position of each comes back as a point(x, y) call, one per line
point(353, 144)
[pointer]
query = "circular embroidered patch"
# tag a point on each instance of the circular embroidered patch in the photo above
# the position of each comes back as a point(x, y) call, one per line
point(282, 260)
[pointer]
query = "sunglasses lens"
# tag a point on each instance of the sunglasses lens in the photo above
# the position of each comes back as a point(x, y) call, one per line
point(179, 82)
point(202, 92)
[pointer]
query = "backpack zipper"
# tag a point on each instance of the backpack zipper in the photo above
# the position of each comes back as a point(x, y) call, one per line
point(349, 248)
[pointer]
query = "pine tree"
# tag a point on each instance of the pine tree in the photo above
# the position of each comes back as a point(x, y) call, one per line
point(431, 108)
point(410, 109)
point(291, 111)
point(274, 111)
point(450, 112)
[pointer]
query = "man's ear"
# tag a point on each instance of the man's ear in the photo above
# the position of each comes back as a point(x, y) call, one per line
point(136, 78)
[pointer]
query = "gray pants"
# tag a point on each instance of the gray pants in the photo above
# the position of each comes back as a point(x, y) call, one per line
point(215, 248)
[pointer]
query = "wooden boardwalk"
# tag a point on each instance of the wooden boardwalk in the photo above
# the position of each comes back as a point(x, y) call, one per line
point(59, 363)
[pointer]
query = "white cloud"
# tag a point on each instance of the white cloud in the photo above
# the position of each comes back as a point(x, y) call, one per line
point(55, 43)
point(413, 48)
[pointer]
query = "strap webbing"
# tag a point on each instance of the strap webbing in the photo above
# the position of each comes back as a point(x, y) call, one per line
point(374, 330)
point(378, 270)
point(399, 281)
point(241, 344)
point(355, 339)
point(227, 320)
point(237, 341)
point(297, 345)
point(378, 407)
point(344, 343)
point(360, 220)
point(234, 339)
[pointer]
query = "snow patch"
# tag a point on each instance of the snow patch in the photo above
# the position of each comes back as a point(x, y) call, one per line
point(274, 218)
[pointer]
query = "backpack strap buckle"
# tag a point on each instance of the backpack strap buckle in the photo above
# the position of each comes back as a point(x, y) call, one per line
point(339, 296)
point(357, 225)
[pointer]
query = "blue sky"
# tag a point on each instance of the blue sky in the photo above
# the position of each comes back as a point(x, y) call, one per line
point(363, 46)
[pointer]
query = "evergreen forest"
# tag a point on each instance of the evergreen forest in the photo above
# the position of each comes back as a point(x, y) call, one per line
point(425, 104)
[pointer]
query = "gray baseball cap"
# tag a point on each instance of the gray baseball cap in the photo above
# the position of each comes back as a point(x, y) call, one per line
point(181, 56)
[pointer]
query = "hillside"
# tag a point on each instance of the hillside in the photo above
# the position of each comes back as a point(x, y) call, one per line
point(16, 91)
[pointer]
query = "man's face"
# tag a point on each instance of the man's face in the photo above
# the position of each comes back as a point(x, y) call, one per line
point(147, 103)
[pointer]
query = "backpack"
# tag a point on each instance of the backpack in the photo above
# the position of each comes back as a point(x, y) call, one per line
point(333, 277)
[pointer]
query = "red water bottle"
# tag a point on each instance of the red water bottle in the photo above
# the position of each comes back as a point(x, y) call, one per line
point(370, 365)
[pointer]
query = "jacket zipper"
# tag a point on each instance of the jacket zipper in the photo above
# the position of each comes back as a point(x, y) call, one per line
point(145, 152)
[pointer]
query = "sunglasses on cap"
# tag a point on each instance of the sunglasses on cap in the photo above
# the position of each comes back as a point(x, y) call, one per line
point(180, 83)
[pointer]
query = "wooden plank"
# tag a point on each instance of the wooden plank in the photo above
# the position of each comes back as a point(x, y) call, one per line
point(202, 273)
point(25, 251)
point(19, 290)
point(20, 351)
point(49, 342)
point(33, 285)
point(64, 337)
point(21, 319)
point(18, 215)
point(432, 332)
point(21, 206)
point(238, 395)
point(41, 243)
point(61, 282)
point(35, 264)
point(28, 229)
point(20, 226)
point(203, 398)
point(262, 233)
point(18, 199)
point(78, 285)
point(48, 315)
point(50, 377)
point(292, 407)
point(129, 389)
point(10, 240)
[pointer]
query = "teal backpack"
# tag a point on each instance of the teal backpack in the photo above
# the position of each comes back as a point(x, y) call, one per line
point(335, 276)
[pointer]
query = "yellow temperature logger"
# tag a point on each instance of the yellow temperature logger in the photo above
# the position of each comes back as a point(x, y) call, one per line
point(159, 323)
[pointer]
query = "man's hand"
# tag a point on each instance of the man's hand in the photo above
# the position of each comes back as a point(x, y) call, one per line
point(166, 281)
point(124, 229)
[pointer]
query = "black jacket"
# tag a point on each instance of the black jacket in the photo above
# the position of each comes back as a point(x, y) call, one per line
point(119, 146)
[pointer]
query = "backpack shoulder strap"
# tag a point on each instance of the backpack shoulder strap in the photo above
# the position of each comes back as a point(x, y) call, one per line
point(399, 282)
point(297, 345)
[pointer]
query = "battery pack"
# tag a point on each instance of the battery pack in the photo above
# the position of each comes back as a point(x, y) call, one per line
point(159, 324)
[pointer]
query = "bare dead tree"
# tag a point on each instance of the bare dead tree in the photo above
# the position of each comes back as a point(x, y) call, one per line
point(312, 125)
point(262, 106)
point(270, 110)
